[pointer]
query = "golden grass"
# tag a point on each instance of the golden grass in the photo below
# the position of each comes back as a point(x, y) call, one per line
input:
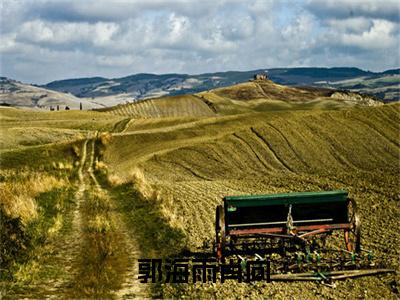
point(184, 166)
point(36, 126)
point(21, 137)
point(17, 195)
point(190, 168)
point(138, 178)
point(173, 106)
point(105, 138)
point(304, 141)
point(242, 98)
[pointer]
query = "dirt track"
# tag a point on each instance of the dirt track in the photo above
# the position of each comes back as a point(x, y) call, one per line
point(119, 241)
point(98, 256)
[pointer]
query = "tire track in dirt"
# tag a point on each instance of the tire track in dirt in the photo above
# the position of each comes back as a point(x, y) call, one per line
point(355, 127)
point(73, 241)
point(72, 245)
point(254, 152)
point(369, 125)
point(91, 163)
point(288, 143)
point(70, 257)
point(330, 143)
point(271, 150)
point(184, 167)
point(130, 287)
point(68, 246)
point(121, 126)
point(76, 222)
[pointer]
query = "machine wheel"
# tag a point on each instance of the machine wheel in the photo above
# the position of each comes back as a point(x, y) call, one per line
point(352, 237)
point(220, 232)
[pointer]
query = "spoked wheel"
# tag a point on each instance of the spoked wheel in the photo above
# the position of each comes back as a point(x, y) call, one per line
point(220, 238)
point(352, 237)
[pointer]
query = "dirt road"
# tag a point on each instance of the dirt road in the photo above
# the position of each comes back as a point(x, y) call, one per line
point(96, 256)
point(107, 265)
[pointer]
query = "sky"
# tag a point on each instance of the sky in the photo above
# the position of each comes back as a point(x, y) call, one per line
point(44, 40)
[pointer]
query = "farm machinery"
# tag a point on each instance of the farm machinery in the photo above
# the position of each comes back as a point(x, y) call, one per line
point(304, 236)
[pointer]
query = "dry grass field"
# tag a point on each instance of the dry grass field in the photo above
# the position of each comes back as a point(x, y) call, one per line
point(143, 180)
point(193, 165)
point(260, 95)
point(175, 106)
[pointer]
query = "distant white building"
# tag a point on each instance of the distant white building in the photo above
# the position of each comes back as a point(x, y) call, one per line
point(260, 77)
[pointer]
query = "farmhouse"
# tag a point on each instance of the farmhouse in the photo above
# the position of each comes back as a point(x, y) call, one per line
point(260, 77)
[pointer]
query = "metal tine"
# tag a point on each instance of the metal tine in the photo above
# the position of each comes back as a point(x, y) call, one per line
point(347, 251)
point(331, 285)
point(259, 256)
point(335, 275)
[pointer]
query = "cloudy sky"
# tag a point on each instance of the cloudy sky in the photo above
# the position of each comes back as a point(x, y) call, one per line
point(43, 40)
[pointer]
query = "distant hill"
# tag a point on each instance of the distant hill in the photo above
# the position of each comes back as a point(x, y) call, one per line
point(384, 85)
point(97, 92)
point(18, 94)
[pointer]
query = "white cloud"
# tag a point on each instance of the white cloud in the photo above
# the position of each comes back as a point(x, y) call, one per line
point(43, 32)
point(120, 37)
point(379, 36)
point(115, 61)
point(7, 43)
point(351, 25)
point(299, 33)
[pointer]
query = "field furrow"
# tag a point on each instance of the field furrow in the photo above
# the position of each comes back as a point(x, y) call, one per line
point(271, 149)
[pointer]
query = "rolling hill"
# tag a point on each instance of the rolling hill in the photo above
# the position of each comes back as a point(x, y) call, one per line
point(189, 165)
point(97, 92)
point(384, 85)
point(256, 95)
point(85, 194)
point(18, 94)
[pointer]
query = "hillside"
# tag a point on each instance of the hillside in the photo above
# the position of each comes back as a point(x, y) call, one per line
point(257, 95)
point(174, 106)
point(290, 142)
point(140, 86)
point(97, 92)
point(385, 87)
point(17, 94)
point(189, 165)
point(85, 194)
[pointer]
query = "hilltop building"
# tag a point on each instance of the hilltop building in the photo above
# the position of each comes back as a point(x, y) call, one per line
point(260, 77)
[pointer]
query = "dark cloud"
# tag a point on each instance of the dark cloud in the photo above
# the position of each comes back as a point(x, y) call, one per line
point(119, 10)
point(343, 9)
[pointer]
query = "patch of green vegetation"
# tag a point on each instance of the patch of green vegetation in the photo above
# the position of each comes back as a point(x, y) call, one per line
point(13, 245)
point(155, 236)
point(120, 126)
point(22, 246)
point(38, 157)
point(102, 257)
point(53, 205)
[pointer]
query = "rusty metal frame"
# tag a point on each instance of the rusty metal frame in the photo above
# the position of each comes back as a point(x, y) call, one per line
point(312, 230)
